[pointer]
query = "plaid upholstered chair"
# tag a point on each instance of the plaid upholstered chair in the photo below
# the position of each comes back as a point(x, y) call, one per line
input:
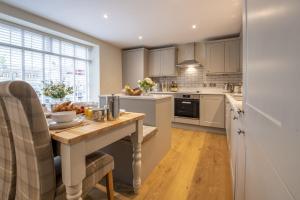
point(7, 157)
point(38, 173)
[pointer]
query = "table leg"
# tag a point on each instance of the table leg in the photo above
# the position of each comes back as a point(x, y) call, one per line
point(73, 169)
point(74, 192)
point(136, 139)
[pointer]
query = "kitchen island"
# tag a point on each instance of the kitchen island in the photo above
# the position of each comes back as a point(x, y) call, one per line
point(156, 135)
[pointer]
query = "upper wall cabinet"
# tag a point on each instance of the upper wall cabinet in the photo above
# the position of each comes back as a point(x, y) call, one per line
point(223, 56)
point(215, 57)
point(162, 62)
point(232, 56)
point(135, 66)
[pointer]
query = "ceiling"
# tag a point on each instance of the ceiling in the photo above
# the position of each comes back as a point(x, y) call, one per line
point(159, 22)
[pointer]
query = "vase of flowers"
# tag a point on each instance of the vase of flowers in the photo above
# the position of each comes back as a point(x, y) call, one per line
point(57, 91)
point(146, 85)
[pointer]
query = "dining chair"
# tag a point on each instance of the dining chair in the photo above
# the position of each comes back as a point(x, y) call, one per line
point(38, 172)
point(7, 157)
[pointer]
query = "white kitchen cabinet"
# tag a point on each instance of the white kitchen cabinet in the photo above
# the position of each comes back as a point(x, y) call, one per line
point(237, 149)
point(212, 111)
point(168, 62)
point(228, 122)
point(162, 62)
point(215, 57)
point(135, 66)
point(223, 56)
point(172, 103)
point(233, 147)
point(239, 192)
point(154, 63)
point(232, 56)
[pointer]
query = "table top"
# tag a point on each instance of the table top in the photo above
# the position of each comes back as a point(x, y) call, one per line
point(91, 129)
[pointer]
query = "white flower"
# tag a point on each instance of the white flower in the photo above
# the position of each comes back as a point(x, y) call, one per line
point(149, 81)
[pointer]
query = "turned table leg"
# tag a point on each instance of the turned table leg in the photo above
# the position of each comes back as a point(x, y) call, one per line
point(136, 139)
point(73, 169)
point(74, 192)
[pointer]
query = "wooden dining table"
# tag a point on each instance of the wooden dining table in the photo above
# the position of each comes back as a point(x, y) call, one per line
point(76, 143)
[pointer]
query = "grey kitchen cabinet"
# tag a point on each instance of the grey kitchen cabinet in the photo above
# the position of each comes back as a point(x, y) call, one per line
point(223, 56)
point(162, 62)
point(212, 110)
point(135, 66)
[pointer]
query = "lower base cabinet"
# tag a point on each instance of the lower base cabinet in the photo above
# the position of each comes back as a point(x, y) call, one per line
point(237, 150)
point(212, 110)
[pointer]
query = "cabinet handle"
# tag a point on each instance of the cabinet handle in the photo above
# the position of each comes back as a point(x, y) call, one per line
point(186, 102)
point(240, 111)
point(241, 132)
point(235, 117)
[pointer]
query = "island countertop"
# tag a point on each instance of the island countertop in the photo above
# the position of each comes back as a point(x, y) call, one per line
point(146, 97)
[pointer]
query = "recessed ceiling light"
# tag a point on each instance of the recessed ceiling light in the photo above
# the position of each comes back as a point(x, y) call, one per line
point(194, 26)
point(140, 37)
point(105, 16)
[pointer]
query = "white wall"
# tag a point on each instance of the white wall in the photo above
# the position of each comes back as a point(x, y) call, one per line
point(110, 59)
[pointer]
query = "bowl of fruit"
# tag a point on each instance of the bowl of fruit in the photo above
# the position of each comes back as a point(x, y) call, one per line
point(132, 92)
point(68, 106)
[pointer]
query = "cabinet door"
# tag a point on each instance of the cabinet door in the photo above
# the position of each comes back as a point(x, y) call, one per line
point(154, 63)
point(232, 56)
point(240, 168)
point(228, 123)
point(234, 148)
point(167, 65)
point(133, 67)
point(216, 57)
point(212, 111)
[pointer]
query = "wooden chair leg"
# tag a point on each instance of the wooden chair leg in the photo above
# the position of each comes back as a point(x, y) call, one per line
point(109, 186)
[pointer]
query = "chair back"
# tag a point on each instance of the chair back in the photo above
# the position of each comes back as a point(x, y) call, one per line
point(32, 141)
point(7, 157)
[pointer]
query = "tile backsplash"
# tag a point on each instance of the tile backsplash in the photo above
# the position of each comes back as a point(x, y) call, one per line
point(194, 77)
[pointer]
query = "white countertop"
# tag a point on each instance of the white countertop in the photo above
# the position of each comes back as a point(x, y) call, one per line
point(237, 105)
point(145, 97)
point(196, 91)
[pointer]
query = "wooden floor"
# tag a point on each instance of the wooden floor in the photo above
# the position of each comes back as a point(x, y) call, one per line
point(196, 167)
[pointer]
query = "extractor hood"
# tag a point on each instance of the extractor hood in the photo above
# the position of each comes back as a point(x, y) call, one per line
point(186, 56)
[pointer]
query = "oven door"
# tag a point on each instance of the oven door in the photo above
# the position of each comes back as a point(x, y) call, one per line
point(187, 108)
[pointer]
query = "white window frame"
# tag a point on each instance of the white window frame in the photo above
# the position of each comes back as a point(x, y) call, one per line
point(43, 52)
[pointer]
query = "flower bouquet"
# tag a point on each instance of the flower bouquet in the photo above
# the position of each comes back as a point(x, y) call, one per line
point(146, 85)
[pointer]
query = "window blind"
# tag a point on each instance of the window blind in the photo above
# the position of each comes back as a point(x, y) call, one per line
point(38, 58)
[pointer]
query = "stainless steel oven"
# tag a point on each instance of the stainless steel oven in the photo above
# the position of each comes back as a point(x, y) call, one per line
point(187, 106)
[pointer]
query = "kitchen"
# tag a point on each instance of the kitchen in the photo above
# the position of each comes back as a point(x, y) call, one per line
point(149, 99)
point(204, 80)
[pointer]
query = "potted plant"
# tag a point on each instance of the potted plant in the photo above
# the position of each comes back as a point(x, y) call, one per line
point(146, 85)
point(57, 91)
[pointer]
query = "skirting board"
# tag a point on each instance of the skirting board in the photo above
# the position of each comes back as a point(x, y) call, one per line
point(198, 128)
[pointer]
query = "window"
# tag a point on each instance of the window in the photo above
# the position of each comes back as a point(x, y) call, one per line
point(37, 57)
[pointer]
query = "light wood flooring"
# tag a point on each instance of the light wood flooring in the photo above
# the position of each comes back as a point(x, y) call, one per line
point(196, 167)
